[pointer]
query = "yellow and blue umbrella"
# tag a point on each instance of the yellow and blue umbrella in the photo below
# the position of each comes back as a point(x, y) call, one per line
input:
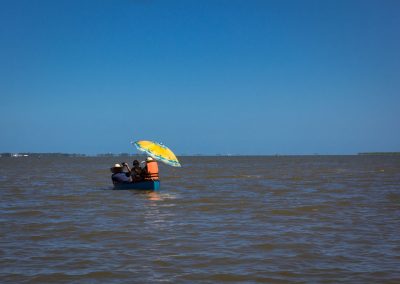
point(158, 151)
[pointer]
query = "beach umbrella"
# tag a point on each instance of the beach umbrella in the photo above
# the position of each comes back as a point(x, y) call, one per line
point(158, 151)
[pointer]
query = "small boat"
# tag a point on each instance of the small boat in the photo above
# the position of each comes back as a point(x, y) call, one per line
point(142, 185)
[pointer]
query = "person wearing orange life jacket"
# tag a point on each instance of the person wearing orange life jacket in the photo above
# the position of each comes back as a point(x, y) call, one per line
point(151, 169)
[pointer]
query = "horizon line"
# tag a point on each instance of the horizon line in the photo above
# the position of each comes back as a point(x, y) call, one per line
point(19, 154)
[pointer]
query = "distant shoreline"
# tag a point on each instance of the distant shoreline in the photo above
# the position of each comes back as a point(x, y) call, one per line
point(29, 154)
point(379, 154)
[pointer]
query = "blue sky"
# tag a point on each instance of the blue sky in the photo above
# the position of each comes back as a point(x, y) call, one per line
point(238, 77)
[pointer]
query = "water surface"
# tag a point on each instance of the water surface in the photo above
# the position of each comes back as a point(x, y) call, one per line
point(318, 219)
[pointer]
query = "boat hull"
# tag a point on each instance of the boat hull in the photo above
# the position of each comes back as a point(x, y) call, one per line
point(142, 185)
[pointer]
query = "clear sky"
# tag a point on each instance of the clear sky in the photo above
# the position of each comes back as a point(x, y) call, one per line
point(207, 77)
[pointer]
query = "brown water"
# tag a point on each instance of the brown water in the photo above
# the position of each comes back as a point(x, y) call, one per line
point(311, 219)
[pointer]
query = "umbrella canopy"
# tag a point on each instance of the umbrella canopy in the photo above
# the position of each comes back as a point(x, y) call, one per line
point(158, 152)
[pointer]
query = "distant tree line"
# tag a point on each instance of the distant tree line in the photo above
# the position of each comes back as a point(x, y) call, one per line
point(380, 153)
point(28, 154)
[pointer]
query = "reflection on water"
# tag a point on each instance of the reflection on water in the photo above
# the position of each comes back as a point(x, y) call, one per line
point(220, 219)
point(154, 196)
point(149, 194)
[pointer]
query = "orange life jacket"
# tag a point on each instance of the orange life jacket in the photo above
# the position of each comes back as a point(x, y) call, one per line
point(152, 171)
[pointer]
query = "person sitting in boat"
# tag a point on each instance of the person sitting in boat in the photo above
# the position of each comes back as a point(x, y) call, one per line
point(151, 169)
point(119, 176)
point(137, 173)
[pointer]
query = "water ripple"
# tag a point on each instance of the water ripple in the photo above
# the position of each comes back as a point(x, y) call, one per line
point(217, 219)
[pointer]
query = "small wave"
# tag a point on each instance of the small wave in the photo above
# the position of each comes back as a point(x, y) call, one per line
point(301, 209)
point(393, 197)
point(95, 275)
point(265, 247)
point(283, 212)
point(26, 213)
point(229, 277)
